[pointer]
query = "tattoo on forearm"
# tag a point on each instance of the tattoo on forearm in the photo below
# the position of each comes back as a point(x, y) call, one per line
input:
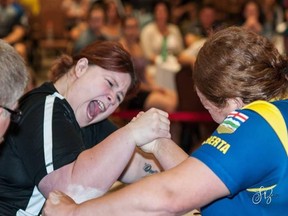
point(148, 169)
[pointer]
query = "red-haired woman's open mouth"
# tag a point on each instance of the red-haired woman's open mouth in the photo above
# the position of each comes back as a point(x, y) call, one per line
point(94, 108)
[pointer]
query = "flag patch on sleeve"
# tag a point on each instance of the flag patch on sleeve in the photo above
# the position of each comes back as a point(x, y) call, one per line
point(232, 122)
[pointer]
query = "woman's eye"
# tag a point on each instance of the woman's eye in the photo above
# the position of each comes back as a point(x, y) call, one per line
point(119, 98)
point(110, 83)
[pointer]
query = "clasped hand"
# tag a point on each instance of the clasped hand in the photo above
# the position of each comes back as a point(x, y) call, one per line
point(148, 126)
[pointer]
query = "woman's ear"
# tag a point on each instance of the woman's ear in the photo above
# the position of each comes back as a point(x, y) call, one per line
point(238, 102)
point(235, 103)
point(81, 67)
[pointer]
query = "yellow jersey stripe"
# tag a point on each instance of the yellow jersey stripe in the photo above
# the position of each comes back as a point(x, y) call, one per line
point(274, 117)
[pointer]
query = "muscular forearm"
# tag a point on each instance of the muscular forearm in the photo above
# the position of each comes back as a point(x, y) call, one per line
point(106, 161)
point(168, 153)
point(165, 155)
point(141, 198)
point(142, 164)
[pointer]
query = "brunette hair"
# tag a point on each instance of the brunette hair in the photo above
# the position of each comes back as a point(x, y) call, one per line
point(109, 55)
point(235, 62)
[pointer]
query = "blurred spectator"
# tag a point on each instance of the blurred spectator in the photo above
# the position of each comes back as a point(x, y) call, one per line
point(150, 95)
point(13, 25)
point(207, 18)
point(128, 9)
point(190, 18)
point(162, 42)
point(143, 11)
point(91, 30)
point(178, 9)
point(161, 30)
point(189, 54)
point(264, 19)
point(274, 16)
point(75, 11)
point(282, 28)
point(252, 17)
point(112, 26)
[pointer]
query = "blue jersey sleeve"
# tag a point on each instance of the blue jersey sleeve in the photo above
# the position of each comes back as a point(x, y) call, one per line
point(242, 151)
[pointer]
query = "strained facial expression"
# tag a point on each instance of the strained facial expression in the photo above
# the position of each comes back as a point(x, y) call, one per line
point(97, 93)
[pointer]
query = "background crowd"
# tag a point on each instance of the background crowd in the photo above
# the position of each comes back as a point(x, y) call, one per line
point(163, 38)
point(169, 42)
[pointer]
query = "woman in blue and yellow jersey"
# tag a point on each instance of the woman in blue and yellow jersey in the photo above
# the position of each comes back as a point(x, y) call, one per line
point(242, 169)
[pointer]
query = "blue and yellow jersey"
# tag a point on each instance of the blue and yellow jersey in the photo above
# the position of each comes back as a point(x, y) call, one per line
point(248, 152)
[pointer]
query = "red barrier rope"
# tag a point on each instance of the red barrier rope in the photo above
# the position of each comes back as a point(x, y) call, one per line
point(175, 116)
